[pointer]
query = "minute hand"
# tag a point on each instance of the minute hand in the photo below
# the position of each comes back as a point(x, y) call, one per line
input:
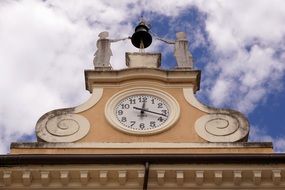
point(149, 111)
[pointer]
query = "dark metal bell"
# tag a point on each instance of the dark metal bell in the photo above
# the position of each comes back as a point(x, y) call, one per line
point(141, 38)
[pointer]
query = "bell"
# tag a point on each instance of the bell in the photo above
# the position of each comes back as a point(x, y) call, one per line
point(141, 38)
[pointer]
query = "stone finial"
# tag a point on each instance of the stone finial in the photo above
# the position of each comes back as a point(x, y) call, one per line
point(182, 55)
point(104, 52)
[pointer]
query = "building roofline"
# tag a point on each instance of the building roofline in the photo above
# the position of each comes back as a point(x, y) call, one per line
point(64, 159)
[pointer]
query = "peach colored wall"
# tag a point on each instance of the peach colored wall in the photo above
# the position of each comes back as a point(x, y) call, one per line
point(182, 131)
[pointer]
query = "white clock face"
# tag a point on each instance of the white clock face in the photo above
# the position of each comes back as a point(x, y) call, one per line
point(142, 111)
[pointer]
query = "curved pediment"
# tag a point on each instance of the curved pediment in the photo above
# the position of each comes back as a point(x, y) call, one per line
point(194, 123)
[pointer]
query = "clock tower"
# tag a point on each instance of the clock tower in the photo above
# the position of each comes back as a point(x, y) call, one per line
point(142, 128)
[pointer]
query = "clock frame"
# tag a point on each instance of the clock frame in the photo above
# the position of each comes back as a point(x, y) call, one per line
point(170, 104)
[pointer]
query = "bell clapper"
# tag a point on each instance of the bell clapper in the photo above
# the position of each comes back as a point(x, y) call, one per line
point(141, 49)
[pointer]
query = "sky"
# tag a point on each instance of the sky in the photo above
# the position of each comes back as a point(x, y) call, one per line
point(45, 46)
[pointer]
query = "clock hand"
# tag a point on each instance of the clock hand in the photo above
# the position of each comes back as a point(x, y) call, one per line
point(143, 108)
point(150, 111)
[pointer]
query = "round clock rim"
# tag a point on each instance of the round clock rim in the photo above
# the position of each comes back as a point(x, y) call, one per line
point(174, 108)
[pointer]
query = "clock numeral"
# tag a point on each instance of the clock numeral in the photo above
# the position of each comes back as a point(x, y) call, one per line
point(132, 101)
point(164, 112)
point(142, 99)
point(125, 106)
point(142, 112)
point(124, 119)
point(142, 125)
point(132, 123)
point(160, 119)
point(152, 124)
point(120, 112)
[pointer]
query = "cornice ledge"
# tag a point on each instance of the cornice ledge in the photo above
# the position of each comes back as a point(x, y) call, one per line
point(118, 76)
point(137, 145)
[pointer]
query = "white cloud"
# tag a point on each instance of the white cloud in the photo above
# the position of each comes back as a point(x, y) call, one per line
point(258, 134)
point(279, 144)
point(44, 52)
point(247, 76)
point(45, 47)
point(246, 36)
point(169, 8)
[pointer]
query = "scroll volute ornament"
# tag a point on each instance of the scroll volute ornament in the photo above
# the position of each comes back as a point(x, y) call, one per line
point(62, 126)
point(221, 127)
point(218, 125)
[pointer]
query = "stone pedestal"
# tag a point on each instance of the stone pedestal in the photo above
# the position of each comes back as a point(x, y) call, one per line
point(148, 60)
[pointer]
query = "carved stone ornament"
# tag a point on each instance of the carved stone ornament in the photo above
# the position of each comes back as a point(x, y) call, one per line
point(66, 125)
point(218, 125)
point(220, 128)
point(181, 53)
point(58, 126)
point(104, 52)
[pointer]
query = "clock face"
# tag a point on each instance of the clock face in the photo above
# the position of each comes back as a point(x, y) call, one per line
point(142, 111)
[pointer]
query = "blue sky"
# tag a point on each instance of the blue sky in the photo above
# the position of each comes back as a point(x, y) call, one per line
point(46, 45)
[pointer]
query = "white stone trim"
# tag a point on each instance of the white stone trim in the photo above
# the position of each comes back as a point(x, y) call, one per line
point(95, 97)
point(191, 99)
